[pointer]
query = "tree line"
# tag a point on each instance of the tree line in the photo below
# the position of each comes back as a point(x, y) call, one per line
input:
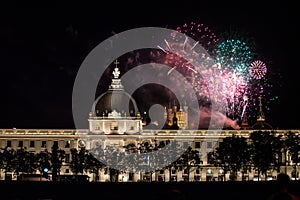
point(262, 151)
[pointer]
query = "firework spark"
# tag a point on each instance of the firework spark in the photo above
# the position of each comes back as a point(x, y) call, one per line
point(200, 33)
point(234, 53)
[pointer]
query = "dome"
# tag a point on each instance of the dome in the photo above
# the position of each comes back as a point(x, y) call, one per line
point(120, 101)
point(115, 100)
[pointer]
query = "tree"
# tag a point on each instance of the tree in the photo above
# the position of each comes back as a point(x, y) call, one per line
point(43, 160)
point(131, 155)
point(2, 161)
point(278, 147)
point(292, 142)
point(190, 158)
point(57, 159)
point(77, 163)
point(147, 162)
point(173, 150)
point(93, 165)
point(233, 154)
point(25, 162)
point(9, 158)
point(161, 154)
point(96, 160)
point(282, 153)
point(113, 158)
point(264, 150)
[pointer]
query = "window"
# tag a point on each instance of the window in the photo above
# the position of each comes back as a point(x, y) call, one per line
point(209, 171)
point(67, 171)
point(55, 143)
point(81, 143)
point(173, 171)
point(20, 144)
point(197, 171)
point(31, 144)
point(185, 144)
point(174, 179)
point(114, 126)
point(67, 158)
point(209, 145)
point(44, 144)
point(161, 179)
point(131, 175)
point(185, 171)
point(185, 178)
point(68, 144)
point(8, 144)
point(198, 145)
point(97, 144)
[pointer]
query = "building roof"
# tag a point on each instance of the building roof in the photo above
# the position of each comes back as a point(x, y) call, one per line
point(261, 125)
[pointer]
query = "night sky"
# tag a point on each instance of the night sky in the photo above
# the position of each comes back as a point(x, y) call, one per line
point(42, 50)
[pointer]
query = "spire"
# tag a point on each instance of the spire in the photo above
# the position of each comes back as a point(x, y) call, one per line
point(116, 82)
point(180, 108)
point(261, 116)
point(244, 124)
point(261, 124)
point(174, 107)
point(174, 125)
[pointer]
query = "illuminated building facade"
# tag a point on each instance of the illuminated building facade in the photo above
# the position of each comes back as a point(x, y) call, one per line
point(181, 115)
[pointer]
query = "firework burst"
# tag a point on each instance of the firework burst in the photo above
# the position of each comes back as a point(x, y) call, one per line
point(257, 69)
point(235, 54)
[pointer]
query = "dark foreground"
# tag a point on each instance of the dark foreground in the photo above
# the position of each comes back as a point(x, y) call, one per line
point(23, 190)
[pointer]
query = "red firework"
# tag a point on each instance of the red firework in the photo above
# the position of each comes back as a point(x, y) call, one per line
point(257, 69)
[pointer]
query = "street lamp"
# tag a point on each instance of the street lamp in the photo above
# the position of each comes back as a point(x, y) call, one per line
point(45, 173)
